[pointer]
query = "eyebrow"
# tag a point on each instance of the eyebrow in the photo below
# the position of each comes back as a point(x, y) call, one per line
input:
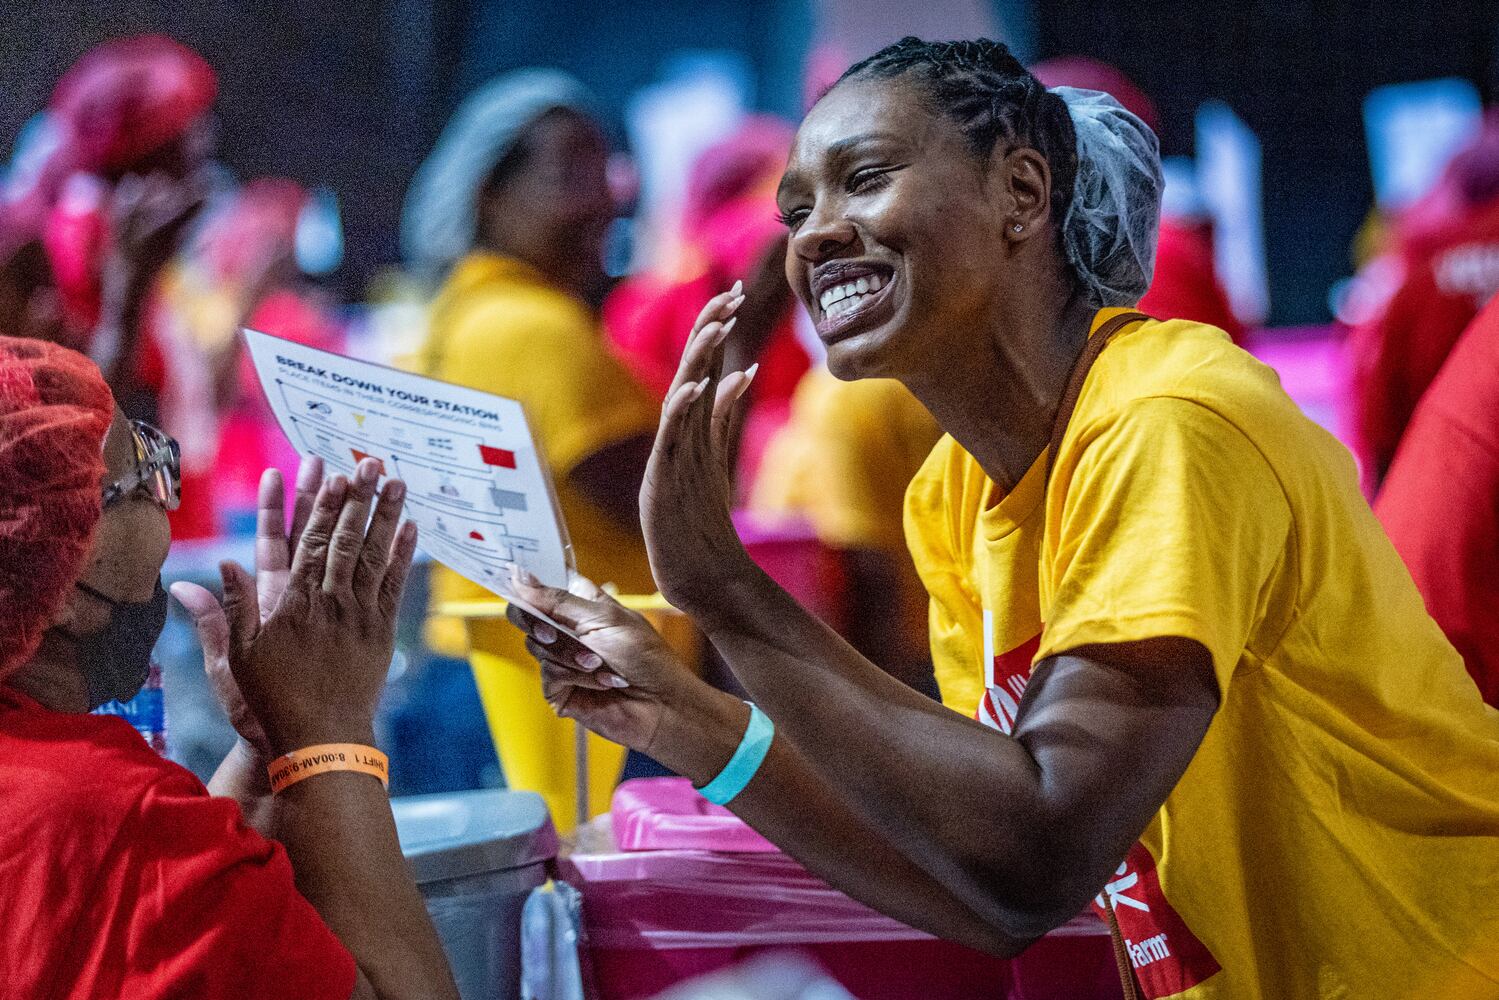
point(837, 150)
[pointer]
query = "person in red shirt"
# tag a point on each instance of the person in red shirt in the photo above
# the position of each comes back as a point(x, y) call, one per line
point(1440, 500)
point(730, 231)
point(120, 874)
point(1444, 267)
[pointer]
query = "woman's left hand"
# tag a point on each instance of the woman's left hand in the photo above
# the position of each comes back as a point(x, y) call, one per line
point(274, 545)
point(688, 488)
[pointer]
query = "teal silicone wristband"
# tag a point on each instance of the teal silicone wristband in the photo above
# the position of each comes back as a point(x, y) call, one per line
point(745, 762)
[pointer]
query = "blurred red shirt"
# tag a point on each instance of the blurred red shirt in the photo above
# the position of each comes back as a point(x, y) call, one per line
point(1185, 286)
point(121, 877)
point(1440, 501)
point(1445, 271)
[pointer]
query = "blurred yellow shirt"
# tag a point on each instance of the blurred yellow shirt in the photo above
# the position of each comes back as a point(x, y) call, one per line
point(1337, 833)
point(497, 325)
point(844, 459)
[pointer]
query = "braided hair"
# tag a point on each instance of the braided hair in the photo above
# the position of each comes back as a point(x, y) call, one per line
point(1105, 163)
point(981, 86)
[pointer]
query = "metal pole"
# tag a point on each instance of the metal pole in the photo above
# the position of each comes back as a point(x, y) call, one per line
point(580, 756)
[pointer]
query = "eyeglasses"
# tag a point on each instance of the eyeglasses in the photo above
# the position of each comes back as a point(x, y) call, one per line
point(158, 468)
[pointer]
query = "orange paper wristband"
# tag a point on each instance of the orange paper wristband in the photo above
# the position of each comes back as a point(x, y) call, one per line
point(291, 768)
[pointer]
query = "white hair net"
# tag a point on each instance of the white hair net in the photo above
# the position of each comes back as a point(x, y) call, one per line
point(1109, 234)
point(441, 212)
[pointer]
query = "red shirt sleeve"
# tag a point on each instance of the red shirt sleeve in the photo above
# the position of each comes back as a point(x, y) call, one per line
point(1440, 501)
point(212, 908)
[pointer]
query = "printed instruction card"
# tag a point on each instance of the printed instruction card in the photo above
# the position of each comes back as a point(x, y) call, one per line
point(476, 488)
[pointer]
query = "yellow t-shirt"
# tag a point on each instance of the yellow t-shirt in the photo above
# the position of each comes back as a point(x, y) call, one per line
point(498, 326)
point(1337, 833)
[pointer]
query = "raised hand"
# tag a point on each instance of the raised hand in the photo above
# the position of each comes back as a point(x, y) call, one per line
point(688, 488)
point(312, 668)
point(274, 545)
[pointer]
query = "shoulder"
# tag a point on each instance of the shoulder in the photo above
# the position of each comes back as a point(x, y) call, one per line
point(1192, 363)
point(87, 764)
point(76, 785)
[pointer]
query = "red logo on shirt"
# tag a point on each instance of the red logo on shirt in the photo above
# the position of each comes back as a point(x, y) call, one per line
point(1166, 955)
point(1011, 673)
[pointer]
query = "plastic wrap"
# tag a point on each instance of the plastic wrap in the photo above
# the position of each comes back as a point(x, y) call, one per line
point(551, 929)
point(652, 814)
point(1109, 234)
point(705, 899)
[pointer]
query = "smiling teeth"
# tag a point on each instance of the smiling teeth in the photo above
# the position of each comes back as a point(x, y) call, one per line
point(846, 297)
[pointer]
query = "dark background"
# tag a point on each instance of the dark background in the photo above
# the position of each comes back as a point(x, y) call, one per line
point(352, 94)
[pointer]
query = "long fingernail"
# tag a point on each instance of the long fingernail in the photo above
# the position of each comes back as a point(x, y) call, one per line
point(615, 681)
point(544, 634)
point(738, 287)
point(697, 390)
point(526, 577)
point(590, 660)
point(736, 303)
point(728, 326)
point(749, 373)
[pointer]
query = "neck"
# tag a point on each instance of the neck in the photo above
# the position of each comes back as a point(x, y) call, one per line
point(546, 268)
point(52, 680)
point(1000, 404)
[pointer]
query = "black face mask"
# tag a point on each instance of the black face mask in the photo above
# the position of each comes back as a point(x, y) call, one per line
point(116, 660)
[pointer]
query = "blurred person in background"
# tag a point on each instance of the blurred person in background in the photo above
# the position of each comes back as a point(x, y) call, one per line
point(729, 232)
point(115, 174)
point(1440, 500)
point(1419, 296)
point(510, 211)
point(124, 875)
point(842, 463)
point(238, 269)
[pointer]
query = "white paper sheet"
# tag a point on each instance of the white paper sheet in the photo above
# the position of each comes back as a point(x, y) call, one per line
point(476, 488)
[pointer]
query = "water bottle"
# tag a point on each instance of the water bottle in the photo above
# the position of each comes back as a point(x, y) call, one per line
point(147, 711)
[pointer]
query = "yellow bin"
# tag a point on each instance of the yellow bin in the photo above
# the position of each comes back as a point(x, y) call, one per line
point(538, 751)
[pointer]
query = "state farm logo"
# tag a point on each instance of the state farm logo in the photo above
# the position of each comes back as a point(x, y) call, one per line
point(1166, 955)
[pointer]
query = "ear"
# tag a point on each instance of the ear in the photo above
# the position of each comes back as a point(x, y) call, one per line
point(1025, 179)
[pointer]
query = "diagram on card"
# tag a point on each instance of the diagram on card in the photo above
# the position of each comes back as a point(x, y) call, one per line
point(476, 488)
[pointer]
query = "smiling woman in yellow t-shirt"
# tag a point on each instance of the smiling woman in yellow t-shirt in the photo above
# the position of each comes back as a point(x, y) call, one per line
point(1198, 689)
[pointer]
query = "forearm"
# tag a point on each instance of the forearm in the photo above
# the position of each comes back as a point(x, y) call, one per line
point(964, 802)
point(242, 776)
point(112, 344)
point(341, 836)
point(794, 807)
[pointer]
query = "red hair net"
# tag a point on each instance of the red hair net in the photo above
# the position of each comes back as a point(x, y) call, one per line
point(54, 413)
point(128, 98)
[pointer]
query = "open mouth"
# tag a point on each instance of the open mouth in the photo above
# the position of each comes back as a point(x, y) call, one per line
point(849, 295)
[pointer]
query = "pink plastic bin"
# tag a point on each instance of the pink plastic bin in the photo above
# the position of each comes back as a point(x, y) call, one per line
point(653, 918)
point(790, 553)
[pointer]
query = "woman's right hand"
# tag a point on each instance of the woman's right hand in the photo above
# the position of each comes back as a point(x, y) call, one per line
point(625, 683)
point(313, 668)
